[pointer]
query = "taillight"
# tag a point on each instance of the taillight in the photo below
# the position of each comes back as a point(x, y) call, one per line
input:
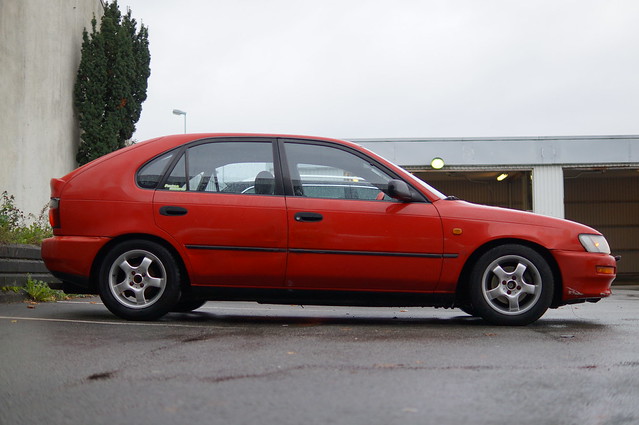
point(54, 212)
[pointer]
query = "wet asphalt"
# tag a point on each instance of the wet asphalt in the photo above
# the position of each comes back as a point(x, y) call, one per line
point(244, 363)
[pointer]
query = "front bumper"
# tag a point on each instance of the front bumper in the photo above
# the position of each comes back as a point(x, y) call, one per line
point(585, 275)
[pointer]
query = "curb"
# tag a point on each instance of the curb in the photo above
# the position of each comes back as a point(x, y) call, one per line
point(18, 261)
point(10, 297)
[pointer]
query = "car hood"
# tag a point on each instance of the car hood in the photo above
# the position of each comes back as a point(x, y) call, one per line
point(457, 209)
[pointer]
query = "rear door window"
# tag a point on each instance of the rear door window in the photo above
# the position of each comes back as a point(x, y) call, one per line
point(225, 167)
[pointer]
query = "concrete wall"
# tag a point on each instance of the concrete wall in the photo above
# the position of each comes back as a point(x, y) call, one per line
point(40, 45)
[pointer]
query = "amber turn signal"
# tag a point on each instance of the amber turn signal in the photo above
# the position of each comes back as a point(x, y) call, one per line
point(606, 269)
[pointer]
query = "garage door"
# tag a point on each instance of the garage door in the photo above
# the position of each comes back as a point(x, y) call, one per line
point(608, 200)
point(502, 188)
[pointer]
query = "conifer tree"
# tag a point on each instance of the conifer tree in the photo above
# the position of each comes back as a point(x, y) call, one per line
point(111, 83)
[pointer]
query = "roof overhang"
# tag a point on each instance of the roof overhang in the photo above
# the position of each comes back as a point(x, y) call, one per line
point(513, 151)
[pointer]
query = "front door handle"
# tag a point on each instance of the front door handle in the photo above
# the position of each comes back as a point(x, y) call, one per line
point(173, 210)
point(308, 217)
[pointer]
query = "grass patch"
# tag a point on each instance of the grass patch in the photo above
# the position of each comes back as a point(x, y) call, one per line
point(39, 291)
point(15, 289)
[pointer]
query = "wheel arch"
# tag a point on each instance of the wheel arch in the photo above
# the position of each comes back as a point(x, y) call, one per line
point(99, 258)
point(462, 292)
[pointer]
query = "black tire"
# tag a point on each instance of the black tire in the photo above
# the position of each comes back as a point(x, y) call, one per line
point(511, 285)
point(139, 280)
point(186, 305)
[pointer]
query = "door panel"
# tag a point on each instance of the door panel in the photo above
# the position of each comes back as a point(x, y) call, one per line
point(346, 234)
point(230, 239)
point(364, 245)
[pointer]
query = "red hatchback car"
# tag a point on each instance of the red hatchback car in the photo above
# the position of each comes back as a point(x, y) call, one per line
point(167, 224)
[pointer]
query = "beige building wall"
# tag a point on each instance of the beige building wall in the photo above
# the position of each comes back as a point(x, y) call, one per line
point(40, 45)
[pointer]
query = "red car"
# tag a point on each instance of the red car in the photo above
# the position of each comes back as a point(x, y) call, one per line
point(167, 224)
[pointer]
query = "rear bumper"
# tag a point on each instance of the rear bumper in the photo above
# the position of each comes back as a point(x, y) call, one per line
point(70, 258)
point(581, 275)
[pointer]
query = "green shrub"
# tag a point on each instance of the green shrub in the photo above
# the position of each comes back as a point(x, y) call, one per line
point(18, 228)
point(39, 291)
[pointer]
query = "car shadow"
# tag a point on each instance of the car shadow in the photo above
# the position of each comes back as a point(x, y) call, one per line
point(371, 319)
point(342, 316)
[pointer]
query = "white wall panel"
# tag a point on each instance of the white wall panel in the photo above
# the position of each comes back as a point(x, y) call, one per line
point(548, 190)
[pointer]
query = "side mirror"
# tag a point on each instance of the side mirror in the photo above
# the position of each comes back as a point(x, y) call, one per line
point(398, 189)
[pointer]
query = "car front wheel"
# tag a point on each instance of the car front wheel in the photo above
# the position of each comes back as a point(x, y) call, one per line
point(139, 280)
point(511, 285)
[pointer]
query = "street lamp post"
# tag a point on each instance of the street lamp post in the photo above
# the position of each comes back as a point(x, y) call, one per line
point(180, 112)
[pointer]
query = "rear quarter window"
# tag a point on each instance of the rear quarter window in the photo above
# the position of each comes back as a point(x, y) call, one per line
point(150, 174)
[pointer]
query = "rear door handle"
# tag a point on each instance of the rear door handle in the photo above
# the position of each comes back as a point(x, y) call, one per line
point(308, 217)
point(173, 210)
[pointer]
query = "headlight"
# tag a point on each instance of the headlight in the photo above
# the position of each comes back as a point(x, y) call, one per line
point(594, 243)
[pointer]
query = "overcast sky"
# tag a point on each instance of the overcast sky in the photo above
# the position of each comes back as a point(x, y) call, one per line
point(397, 68)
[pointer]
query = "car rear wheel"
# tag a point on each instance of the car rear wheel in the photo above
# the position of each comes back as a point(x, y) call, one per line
point(139, 280)
point(511, 285)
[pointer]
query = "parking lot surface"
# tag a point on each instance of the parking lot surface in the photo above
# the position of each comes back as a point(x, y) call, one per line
point(244, 363)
